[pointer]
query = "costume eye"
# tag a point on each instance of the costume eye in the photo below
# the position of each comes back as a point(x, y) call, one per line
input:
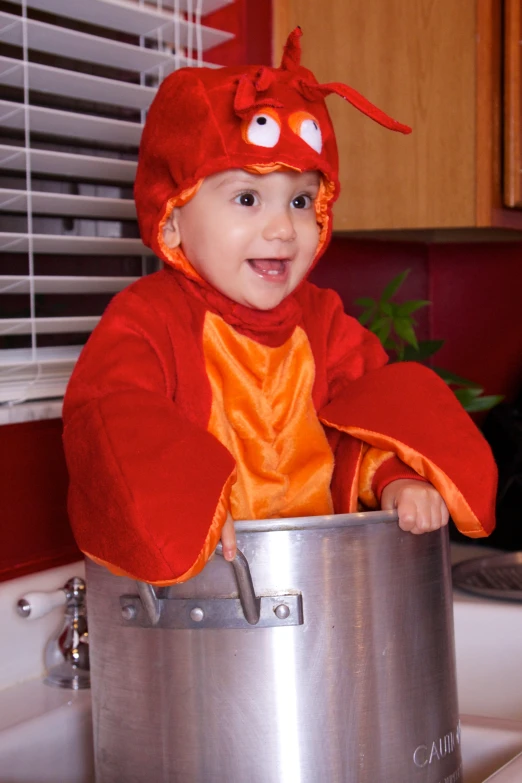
point(263, 130)
point(307, 127)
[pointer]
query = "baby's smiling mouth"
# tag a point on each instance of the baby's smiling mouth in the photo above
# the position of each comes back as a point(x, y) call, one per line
point(270, 268)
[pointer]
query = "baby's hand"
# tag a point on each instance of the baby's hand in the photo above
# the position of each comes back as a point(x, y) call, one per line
point(420, 507)
point(228, 539)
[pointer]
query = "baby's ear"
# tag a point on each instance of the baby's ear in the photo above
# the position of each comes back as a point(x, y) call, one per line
point(171, 233)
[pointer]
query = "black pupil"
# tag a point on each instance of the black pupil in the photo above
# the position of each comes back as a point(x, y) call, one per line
point(261, 120)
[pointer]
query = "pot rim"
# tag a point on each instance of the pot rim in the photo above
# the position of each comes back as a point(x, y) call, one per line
point(323, 522)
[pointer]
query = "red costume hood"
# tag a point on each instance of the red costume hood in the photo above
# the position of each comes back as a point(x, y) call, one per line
point(203, 121)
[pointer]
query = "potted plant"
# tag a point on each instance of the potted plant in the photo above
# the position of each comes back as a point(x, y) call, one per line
point(394, 324)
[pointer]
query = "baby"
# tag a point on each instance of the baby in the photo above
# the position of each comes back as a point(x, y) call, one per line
point(226, 386)
point(254, 238)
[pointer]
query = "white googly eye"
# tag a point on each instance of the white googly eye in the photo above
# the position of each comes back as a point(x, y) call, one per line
point(311, 133)
point(263, 130)
point(308, 129)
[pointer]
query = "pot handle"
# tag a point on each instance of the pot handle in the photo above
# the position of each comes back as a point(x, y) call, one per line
point(249, 601)
point(151, 602)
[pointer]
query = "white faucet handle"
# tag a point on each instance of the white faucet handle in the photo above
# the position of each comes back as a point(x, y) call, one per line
point(35, 605)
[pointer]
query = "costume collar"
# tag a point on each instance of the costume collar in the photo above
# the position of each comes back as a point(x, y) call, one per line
point(269, 327)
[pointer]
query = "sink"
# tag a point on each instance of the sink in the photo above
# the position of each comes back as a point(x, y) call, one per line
point(509, 773)
point(49, 740)
point(46, 733)
point(487, 745)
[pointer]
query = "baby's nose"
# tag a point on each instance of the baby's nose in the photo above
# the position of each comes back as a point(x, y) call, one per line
point(280, 225)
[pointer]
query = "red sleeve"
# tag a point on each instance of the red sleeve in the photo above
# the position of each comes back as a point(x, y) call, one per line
point(377, 468)
point(407, 409)
point(392, 470)
point(137, 467)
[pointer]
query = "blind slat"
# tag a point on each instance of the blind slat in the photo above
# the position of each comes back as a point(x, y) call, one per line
point(208, 6)
point(71, 84)
point(65, 204)
point(50, 39)
point(31, 411)
point(62, 284)
point(52, 359)
point(42, 373)
point(68, 164)
point(55, 122)
point(82, 323)
point(34, 388)
point(75, 245)
point(129, 17)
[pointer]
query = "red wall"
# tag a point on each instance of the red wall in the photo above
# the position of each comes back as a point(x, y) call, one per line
point(34, 529)
point(476, 295)
point(251, 23)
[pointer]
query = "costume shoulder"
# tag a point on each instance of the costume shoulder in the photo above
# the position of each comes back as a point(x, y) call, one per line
point(406, 408)
point(149, 485)
point(343, 349)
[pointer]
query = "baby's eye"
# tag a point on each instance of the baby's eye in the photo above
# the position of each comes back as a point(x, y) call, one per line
point(263, 130)
point(303, 201)
point(246, 199)
point(307, 127)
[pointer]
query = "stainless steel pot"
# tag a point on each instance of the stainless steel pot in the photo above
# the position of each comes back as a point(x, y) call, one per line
point(348, 675)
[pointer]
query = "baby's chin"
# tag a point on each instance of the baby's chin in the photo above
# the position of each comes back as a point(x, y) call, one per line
point(265, 302)
point(257, 299)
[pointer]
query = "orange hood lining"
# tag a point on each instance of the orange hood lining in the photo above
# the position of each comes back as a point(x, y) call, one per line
point(176, 257)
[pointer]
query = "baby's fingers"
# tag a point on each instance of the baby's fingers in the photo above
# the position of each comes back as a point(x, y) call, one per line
point(432, 512)
point(408, 513)
point(228, 539)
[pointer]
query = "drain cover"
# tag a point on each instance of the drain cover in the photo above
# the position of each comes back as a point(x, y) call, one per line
point(496, 576)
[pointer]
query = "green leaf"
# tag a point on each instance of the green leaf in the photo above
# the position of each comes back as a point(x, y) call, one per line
point(404, 329)
point(379, 323)
point(468, 398)
point(407, 308)
point(394, 286)
point(478, 403)
point(365, 317)
point(470, 393)
point(387, 308)
point(384, 332)
point(365, 301)
point(391, 345)
point(451, 379)
point(426, 349)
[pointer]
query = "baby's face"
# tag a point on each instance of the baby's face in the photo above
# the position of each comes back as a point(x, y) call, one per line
point(251, 236)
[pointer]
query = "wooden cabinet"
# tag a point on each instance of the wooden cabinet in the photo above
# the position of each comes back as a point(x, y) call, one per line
point(436, 65)
point(513, 103)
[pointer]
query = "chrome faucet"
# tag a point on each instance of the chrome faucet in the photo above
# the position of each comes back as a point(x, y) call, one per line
point(66, 655)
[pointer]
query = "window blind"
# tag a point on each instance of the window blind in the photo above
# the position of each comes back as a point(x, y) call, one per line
point(77, 77)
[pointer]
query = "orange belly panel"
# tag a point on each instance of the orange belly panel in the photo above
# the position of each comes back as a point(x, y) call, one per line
point(262, 411)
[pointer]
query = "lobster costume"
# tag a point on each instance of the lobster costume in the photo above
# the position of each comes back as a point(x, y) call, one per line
point(185, 405)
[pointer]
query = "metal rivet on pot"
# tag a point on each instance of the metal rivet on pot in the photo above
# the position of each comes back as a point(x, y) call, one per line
point(197, 614)
point(128, 612)
point(282, 611)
